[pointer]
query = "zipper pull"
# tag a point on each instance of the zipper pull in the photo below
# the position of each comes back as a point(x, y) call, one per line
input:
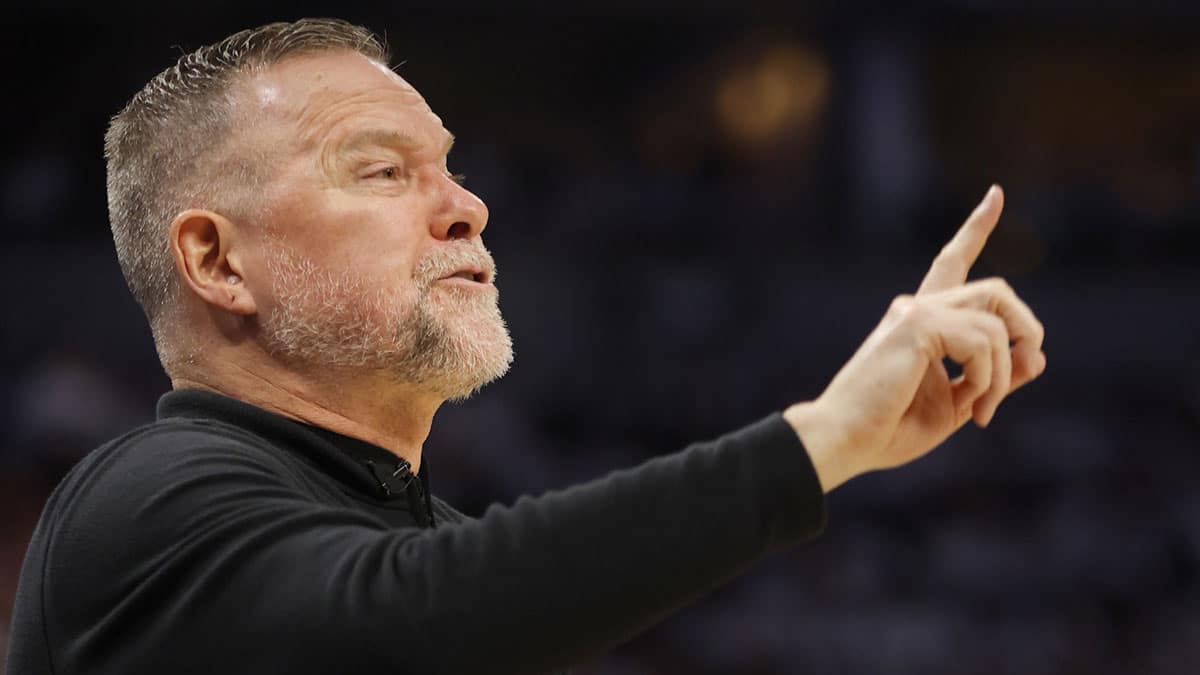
point(392, 481)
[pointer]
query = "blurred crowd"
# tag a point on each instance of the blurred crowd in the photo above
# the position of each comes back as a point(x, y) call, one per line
point(696, 221)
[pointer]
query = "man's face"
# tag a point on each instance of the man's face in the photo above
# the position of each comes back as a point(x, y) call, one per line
point(371, 257)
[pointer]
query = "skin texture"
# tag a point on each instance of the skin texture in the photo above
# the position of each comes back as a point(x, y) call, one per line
point(330, 305)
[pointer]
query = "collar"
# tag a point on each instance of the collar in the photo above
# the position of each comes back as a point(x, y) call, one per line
point(365, 467)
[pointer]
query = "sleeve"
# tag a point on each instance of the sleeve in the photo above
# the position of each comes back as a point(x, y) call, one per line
point(215, 564)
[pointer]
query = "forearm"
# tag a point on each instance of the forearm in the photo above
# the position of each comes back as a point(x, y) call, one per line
point(551, 581)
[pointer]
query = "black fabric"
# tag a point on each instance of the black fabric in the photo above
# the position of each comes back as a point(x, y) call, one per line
point(226, 539)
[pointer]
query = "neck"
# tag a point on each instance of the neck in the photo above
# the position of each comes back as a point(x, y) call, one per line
point(367, 406)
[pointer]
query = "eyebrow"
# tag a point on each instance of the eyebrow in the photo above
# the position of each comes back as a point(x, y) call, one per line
point(387, 138)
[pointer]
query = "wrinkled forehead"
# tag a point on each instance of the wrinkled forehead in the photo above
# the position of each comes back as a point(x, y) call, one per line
point(315, 96)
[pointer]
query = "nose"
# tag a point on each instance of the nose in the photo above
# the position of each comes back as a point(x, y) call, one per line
point(461, 215)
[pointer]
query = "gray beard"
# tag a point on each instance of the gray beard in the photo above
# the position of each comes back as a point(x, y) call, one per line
point(446, 340)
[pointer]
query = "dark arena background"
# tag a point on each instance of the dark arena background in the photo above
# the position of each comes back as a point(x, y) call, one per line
point(699, 211)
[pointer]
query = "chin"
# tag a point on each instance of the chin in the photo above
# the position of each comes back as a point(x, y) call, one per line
point(462, 385)
point(475, 351)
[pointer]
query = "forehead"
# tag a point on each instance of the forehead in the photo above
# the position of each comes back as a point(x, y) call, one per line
point(324, 95)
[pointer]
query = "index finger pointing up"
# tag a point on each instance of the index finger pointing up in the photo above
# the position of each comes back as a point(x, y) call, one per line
point(950, 267)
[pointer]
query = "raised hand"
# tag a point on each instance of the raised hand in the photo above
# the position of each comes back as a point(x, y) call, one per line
point(893, 401)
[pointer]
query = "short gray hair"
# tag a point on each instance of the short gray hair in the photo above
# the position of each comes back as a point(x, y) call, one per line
point(164, 149)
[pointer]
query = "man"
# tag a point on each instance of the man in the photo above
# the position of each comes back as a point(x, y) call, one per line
point(317, 287)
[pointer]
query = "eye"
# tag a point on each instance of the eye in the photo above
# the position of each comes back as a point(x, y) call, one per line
point(390, 172)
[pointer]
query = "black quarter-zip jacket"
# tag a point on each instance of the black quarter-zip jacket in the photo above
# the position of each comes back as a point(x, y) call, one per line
point(226, 539)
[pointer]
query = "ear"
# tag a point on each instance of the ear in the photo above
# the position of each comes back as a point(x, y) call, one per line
point(205, 247)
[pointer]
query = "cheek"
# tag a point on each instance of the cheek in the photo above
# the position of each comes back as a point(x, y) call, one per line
point(361, 240)
point(344, 231)
point(390, 279)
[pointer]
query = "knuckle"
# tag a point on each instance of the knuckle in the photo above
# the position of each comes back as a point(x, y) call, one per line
point(996, 328)
point(999, 286)
point(999, 342)
point(977, 387)
point(979, 342)
point(902, 305)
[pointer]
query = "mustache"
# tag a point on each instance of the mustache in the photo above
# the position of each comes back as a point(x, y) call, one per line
point(452, 256)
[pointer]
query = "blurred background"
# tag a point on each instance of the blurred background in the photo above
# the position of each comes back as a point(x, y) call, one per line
point(699, 211)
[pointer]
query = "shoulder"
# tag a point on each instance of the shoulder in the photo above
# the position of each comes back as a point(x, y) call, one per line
point(169, 465)
point(157, 483)
point(168, 447)
point(143, 511)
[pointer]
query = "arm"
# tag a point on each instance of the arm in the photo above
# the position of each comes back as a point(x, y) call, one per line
point(246, 576)
point(256, 579)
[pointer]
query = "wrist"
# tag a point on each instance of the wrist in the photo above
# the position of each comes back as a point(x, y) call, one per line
point(819, 435)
